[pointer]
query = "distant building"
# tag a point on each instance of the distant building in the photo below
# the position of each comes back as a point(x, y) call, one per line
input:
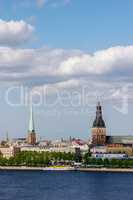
point(48, 149)
point(8, 152)
point(31, 138)
point(102, 143)
point(98, 149)
point(99, 128)
point(119, 140)
point(18, 141)
point(78, 143)
point(57, 146)
point(109, 155)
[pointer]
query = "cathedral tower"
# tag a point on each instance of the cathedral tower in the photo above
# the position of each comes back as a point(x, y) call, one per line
point(99, 128)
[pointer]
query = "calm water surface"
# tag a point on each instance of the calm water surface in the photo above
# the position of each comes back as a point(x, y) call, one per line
point(23, 185)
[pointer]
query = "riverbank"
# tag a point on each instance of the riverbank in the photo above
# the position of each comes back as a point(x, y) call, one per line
point(106, 170)
point(65, 168)
point(23, 168)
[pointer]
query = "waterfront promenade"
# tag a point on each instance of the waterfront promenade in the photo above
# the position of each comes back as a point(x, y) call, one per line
point(63, 168)
point(106, 170)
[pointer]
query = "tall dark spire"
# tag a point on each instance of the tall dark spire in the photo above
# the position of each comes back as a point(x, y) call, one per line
point(99, 122)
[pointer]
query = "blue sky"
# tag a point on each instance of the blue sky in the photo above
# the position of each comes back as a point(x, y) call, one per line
point(65, 46)
point(89, 26)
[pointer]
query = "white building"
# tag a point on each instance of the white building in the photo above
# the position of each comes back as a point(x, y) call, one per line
point(50, 149)
point(8, 152)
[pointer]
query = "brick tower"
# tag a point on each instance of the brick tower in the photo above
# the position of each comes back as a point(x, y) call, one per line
point(99, 128)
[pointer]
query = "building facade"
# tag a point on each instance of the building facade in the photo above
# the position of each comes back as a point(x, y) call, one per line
point(8, 152)
point(102, 143)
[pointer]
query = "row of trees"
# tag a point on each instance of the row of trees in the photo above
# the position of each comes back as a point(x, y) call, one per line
point(42, 159)
point(109, 163)
point(29, 158)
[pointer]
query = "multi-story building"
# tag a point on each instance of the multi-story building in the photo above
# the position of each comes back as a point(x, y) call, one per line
point(58, 146)
point(100, 141)
point(10, 151)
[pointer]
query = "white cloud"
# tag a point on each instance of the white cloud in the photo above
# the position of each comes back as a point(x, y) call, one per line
point(56, 87)
point(102, 74)
point(101, 62)
point(13, 33)
point(62, 68)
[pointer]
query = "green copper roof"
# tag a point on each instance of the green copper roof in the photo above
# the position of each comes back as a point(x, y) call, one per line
point(31, 121)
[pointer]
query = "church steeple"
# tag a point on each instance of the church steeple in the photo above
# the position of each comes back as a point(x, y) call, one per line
point(31, 121)
point(98, 128)
point(99, 122)
point(31, 139)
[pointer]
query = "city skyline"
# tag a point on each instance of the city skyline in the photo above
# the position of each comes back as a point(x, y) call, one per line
point(31, 130)
point(67, 60)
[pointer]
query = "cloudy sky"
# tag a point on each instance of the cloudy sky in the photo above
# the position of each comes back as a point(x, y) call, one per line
point(65, 55)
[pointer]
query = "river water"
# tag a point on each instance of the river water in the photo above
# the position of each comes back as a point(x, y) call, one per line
point(53, 185)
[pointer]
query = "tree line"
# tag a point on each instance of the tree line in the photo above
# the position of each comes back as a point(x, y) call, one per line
point(43, 159)
point(108, 163)
point(29, 158)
